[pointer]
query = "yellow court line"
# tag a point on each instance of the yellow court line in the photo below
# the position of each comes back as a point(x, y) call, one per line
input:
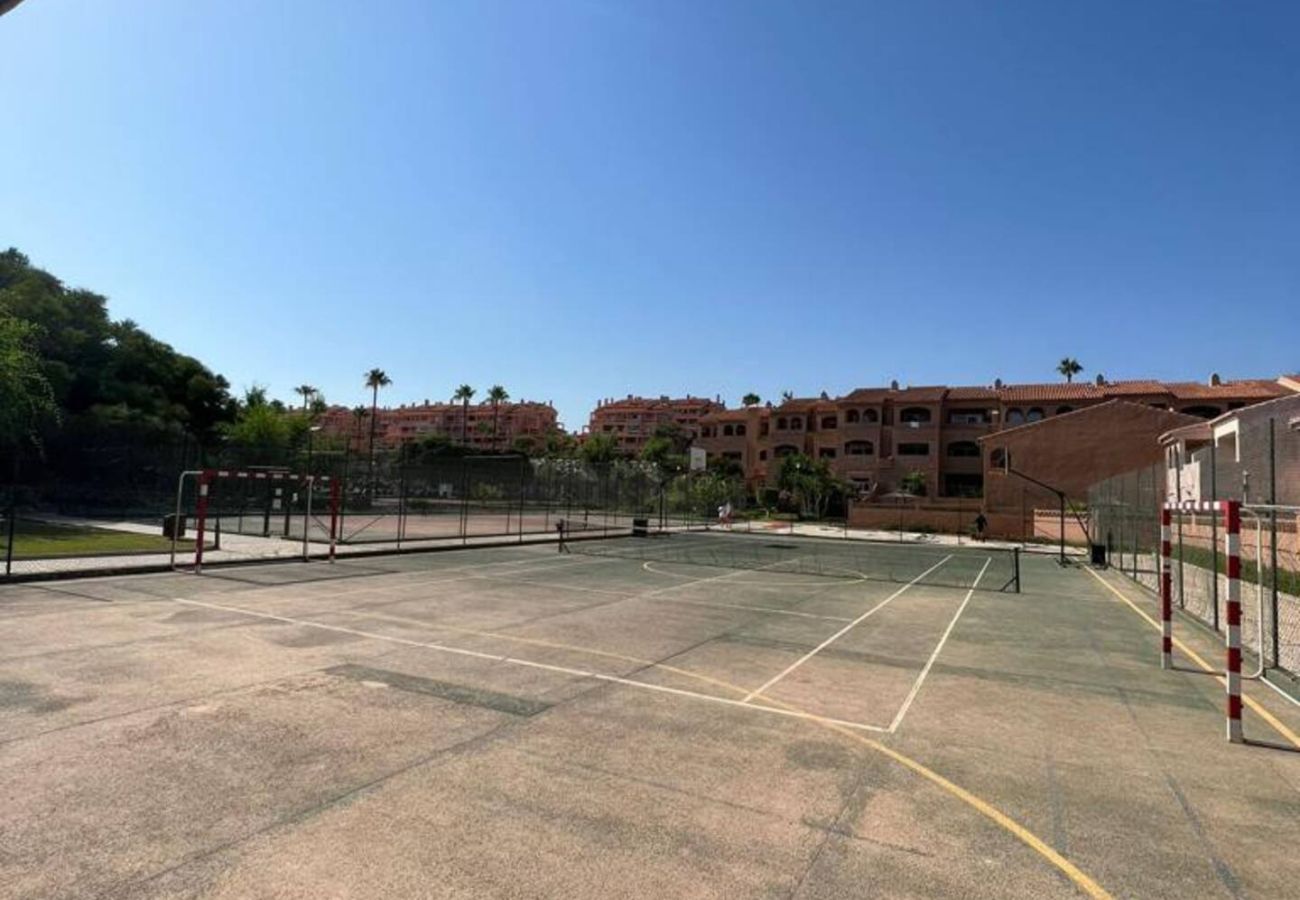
point(1277, 725)
point(1081, 880)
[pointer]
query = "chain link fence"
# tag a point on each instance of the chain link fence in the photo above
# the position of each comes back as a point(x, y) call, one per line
point(1257, 462)
point(73, 505)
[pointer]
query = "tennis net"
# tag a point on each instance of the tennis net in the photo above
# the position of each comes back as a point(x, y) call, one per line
point(849, 558)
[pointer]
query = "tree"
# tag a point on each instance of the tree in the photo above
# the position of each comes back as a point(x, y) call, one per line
point(810, 483)
point(26, 398)
point(667, 447)
point(109, 377)
point(787, 396)
point(375, 379)
point(751, 399)
point(464, 394)
point(913, 483)
point(496, 396)
point(1069, 367)
point(359, 414)
point(599, 450)
point(306, 391)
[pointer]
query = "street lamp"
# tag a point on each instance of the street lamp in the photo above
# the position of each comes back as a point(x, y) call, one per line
point(311, 434)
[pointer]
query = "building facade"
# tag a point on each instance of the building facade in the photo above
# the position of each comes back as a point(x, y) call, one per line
point(403, 424)
point(874, 437)
point(633, 420)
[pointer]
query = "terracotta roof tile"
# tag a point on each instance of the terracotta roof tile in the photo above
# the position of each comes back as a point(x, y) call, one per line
point(1027, 393)
point(1229, 390)
point(1131, 388)
point(972, 393)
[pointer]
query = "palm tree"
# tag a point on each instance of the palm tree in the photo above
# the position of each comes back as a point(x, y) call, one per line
point(751, 399)
point(1069, 367)
point(787, 396)
point(464, 393)
point(359, 414)
point(496, 396)
point(306, 391)
point(375, 379)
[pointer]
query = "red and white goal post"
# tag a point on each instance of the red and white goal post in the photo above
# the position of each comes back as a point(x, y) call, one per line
point(1230, 510)
point(204, 480)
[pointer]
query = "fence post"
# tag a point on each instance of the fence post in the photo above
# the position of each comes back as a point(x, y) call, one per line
point(1232, 549)
point(1166, 590)
point(1214, 539)
point(1272, 536)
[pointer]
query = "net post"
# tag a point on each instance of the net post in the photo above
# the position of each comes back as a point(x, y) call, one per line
point(334, 516)
point(201, 515)
point(1232, 550)
point(1166, 590)
point(1015, 564)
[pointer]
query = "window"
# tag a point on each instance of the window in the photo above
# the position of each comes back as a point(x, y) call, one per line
point(782, 424)
point(851, 417)
point(829, 422)
point(859, 448)
point(914, 415)
point(963, 448)
point(870, 415)
point(762, 455)
point(727, 431)
point(968, 417)
point(1205, 412)
point(785, 450)
point(796, 424)
point(1015, 416)
point(1035, 414)
point(998, 458)
point(826, 453)
point(740, 429)
point(762, 429)
point(917, 449)
point(1062, 410)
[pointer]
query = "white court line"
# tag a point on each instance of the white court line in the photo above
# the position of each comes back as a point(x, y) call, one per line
point(843, 631)
point(916, 687)
point(528, 663)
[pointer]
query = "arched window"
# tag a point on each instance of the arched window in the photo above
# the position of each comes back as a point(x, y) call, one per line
point(782, 424)
point(784, 450)
point(796, 424)
point(851, 417)
point(859, 448)
point(740, 429)
point(1062, 410)
point(727, 431)
point(829, 423)
point(1035, 414)
point(914, 415)
point(870, 415)
point(1205, 412)
point(998, 458)
point(1015, 416)
point(963, 448)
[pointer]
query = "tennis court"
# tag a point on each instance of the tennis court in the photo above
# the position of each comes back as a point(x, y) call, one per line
point(693, 715)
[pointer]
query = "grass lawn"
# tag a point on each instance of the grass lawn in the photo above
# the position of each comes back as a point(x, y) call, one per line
point(44, 539)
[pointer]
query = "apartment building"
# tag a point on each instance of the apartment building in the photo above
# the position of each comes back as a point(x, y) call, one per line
point(873, 437)
point(633, 420)
point(413, 422)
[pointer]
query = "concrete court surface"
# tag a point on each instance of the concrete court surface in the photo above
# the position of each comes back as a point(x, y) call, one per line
point(514, 722)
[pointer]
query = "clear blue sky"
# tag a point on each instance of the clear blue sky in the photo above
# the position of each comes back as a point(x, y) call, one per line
point(580, 198)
